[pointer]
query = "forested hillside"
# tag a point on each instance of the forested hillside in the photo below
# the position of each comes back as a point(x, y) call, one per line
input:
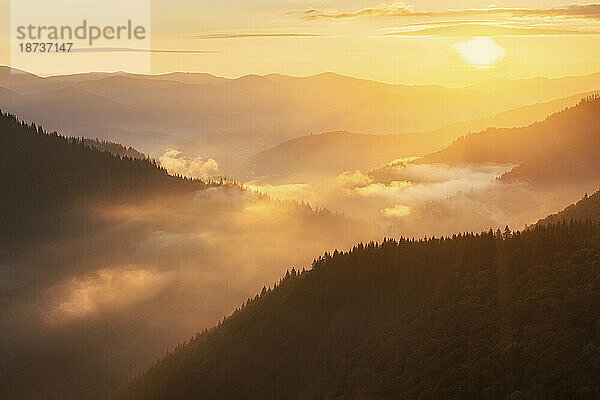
point(113, 148)
point(46, 173)
point(571, 162)
point(336, 152)
point(494, 315)
point(587, 207)
point(573, 126)
point(106, 260)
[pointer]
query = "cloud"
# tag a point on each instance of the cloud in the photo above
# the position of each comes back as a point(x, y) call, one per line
point(176, 163)
point(253, 35)
point(376, 189)
point(589, 11)
point(401, 9)
point(133, 50)
point(470, 30)
point(292, 191)
point(397, 211)
point(352, 179)
point(397, 9)
point(109, 288)
point(439, 173)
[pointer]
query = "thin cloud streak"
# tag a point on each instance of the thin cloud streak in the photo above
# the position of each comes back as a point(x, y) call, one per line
point(253, 35)
point(400, 9)
point(133, 50)
point(470, 30)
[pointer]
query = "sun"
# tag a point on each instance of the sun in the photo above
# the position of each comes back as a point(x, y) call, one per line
point(480, 52)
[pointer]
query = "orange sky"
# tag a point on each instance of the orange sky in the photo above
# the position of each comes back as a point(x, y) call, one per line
point(420, 42)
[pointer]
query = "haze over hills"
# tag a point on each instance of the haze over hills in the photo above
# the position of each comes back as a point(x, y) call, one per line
point(198, 107)
point(494, 315)
point(499, 176)
point(342, 200)
point(106, 260)
point(539, 89)
point(587, 207)
point(571, 162)
point(336, 152)
point(228, 118)
point(561, 148)
point(63, 173)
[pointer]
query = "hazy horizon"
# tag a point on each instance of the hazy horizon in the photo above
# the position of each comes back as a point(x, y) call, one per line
point(482, 79)
point(395, 42)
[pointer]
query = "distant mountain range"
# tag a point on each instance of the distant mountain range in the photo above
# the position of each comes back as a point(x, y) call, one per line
point(561, 149)
point(228, 118)
point(536, 90)
point(336, 152)
point(105, 258)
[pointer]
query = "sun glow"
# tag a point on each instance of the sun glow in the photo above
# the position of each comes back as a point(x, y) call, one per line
point(480, 52)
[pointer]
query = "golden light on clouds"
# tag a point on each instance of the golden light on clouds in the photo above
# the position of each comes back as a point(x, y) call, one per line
point(397, 211)
point(105, 289)
point(380, 188)
point(480, 52)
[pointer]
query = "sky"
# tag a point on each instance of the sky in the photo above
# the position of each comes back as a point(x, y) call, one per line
point(448, 42)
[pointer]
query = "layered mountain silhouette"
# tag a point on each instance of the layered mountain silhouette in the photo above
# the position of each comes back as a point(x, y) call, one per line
point(538, 89)
point(103, 254)
point(587, 207)
point(560, 149)
point(493, 315)
point(47, 174)
point(229, 118)
point(106, 259)
point(272, 102)
point(336, 152)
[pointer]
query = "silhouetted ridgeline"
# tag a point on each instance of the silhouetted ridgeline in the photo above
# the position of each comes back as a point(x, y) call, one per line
point(115, 149)
point(571, 133)
point(43, 174)
point(495, 315)
point(339, 151)
point(587, 207)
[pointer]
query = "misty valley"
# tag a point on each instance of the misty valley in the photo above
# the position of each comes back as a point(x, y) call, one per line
point(187, 236)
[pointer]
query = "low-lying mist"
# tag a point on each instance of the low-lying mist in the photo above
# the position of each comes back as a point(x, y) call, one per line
point(410, 199)
point(86, 312)
point(145, 277)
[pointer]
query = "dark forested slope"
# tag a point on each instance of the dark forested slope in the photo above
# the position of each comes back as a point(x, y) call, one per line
point(562, 150)
point(42, 174)
point(113, 148)
point(572, 126)
point(486, 316)
point(587, 207)
point(336, 152)
point(572, 162)
point(103, 257)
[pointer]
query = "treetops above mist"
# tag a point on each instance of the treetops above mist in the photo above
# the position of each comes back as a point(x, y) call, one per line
point(494, 315)
point(586, 207)
point(45, 174)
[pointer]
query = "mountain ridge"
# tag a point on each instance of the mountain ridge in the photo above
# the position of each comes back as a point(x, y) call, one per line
point(339, 151)
point(435, 318)
point(518, 144)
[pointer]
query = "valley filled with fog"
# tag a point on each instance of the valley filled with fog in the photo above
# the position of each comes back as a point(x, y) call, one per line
point(116, 282)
